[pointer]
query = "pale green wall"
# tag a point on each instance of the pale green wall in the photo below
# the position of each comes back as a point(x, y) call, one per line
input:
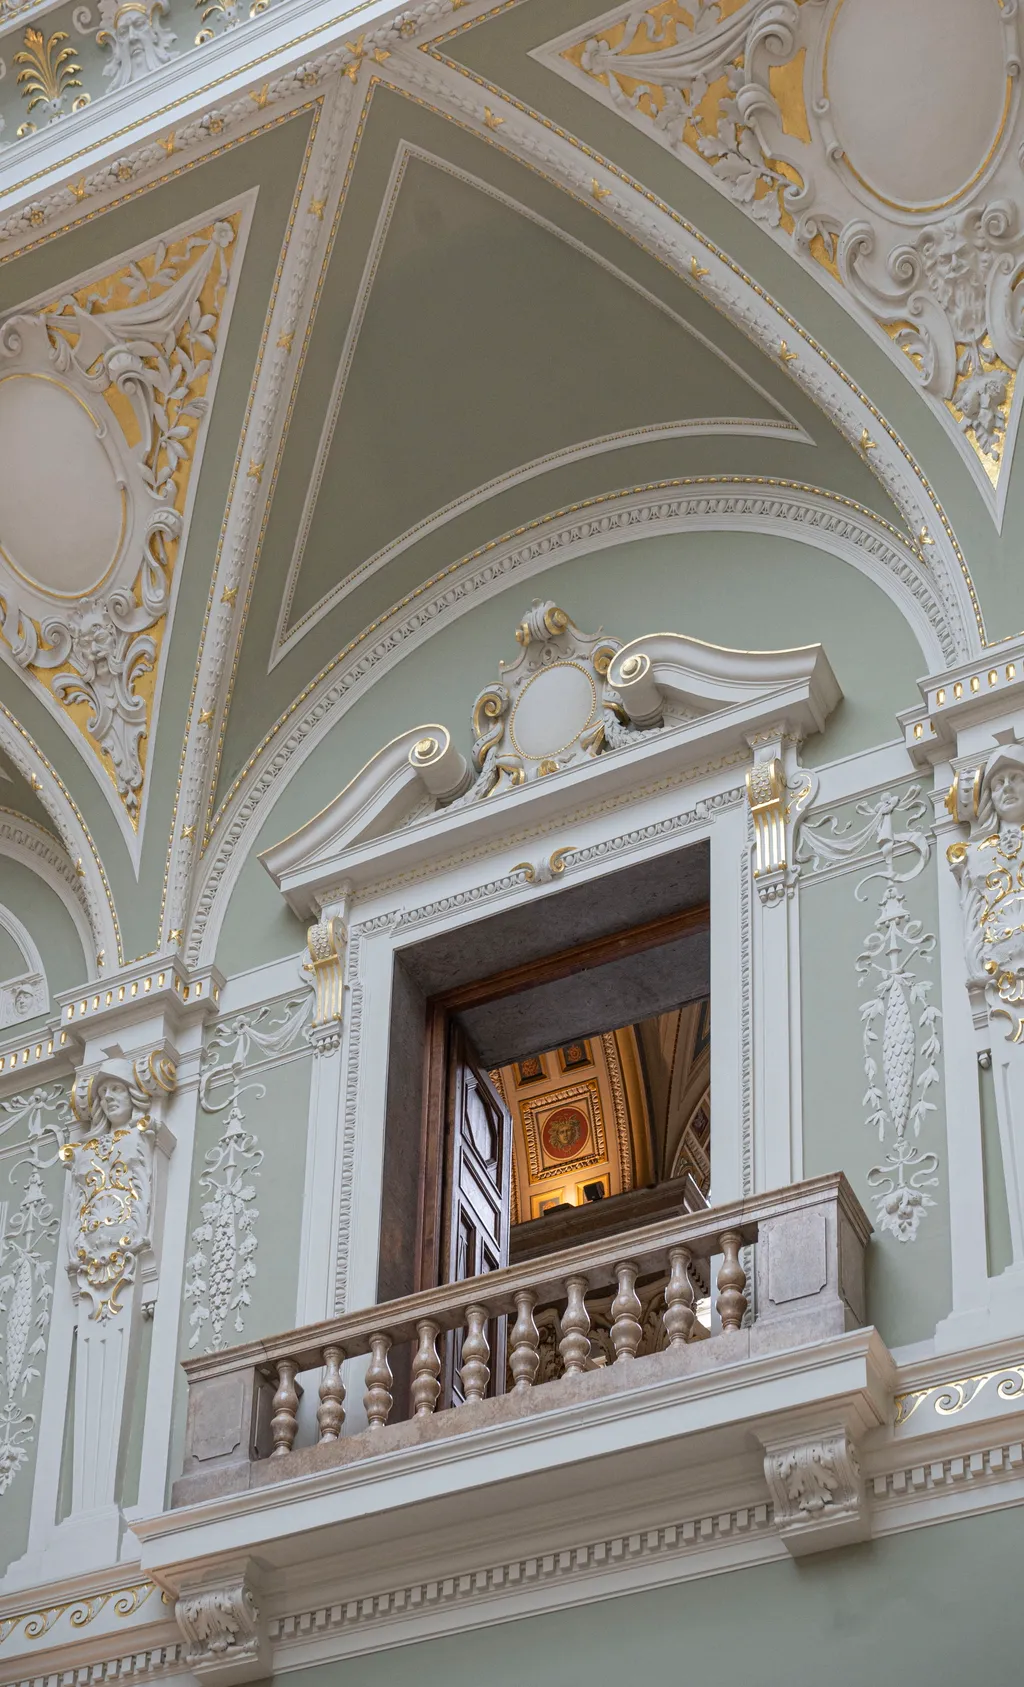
point(934, 1608)
point(737, 589)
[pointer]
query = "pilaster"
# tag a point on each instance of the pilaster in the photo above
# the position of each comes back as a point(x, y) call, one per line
point(127, 1040)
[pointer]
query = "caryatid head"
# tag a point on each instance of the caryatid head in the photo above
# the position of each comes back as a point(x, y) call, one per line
point(1001, 799)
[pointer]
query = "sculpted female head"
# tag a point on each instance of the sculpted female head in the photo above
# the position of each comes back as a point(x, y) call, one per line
point(1001, 802)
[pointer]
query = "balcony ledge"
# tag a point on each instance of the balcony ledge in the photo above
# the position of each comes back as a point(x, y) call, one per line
point(711, 1407)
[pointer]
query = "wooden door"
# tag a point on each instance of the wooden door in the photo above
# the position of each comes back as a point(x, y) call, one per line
point(477, 1189)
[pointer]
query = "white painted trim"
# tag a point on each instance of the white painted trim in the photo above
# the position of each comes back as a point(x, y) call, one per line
point(804, 514)
point(288, 633)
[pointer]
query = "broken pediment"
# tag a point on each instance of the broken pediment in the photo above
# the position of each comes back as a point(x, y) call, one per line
point(569, 707)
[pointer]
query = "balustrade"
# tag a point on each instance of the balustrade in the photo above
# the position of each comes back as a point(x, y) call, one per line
point(807, 1245)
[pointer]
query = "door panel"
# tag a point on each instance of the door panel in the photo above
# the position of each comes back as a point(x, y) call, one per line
point(478, 1168)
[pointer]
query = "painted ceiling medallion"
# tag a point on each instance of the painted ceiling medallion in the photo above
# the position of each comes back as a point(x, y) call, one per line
point(798, 111)
point(103, 395)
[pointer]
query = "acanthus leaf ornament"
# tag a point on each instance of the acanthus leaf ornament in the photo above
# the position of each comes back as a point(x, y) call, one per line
point(117, 373)
point(899, 1023)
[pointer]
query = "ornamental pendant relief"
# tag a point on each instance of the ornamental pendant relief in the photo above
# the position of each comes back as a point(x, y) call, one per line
point(900, 1024)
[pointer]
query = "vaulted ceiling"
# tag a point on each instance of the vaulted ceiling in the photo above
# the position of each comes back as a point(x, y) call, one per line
point(480, 271)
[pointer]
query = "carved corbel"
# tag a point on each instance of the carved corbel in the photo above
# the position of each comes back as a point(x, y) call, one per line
point(817, 1491)
point(778, 792)
point(225, 1628)
point(327, 941)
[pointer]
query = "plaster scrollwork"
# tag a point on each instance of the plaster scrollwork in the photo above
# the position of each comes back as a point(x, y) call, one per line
point(111, 1164)
point(109, 384)
point(221, 1266)
point(552, 708)
point(29, 1228)
point(761, 101)
point(900, 1025)
point(137, 38)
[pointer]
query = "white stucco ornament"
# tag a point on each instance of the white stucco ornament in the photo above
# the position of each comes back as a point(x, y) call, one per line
point(137, 39)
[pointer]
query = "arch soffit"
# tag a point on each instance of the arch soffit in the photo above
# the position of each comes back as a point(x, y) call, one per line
point(77, 869)
point(806, 514)
point(31, 846)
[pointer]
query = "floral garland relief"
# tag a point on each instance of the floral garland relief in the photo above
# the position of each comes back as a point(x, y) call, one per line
point(29, 1229)
point(222, 1265)
point(900, 1024)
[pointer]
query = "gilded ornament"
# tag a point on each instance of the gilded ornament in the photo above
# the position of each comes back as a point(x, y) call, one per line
point(49, 70)
point(133, 350)
point(112, 1171)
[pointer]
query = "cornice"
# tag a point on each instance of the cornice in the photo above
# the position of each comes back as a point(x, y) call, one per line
point(466, 1578)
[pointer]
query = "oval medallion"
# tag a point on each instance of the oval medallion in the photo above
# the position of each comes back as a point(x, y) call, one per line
point(552, 710)
point(62, 513)
point(918, 95)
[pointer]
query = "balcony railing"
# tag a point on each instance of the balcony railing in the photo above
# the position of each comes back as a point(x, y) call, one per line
point(808, 1246)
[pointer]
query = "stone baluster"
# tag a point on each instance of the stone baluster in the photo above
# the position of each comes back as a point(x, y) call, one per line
point(377, 1401)
point(575, 1343)
point(524, 1359)
point(679, 1310)
point(475, 1373)
point(732, 1280)
point(627, 1330)
point(331, 1413)
point(426, 1369)
point(284, 1423)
